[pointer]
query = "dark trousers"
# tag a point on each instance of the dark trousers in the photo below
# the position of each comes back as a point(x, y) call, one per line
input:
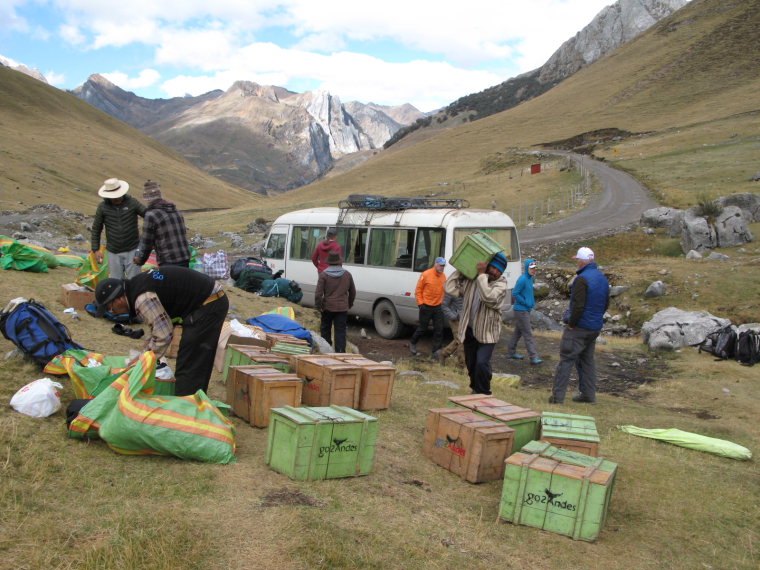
point(576, 350)
point(336, 320)
point(197, 348)
point(477, 358)
point(428, 314)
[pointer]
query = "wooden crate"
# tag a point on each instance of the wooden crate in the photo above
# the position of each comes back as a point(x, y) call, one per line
point(572, 432)
point(467, 444)
point(557, 490)
point(307, 444)
point(525, 422)
point(242, 386)
point(328, 381)
point(376, 381)
point(243, 355)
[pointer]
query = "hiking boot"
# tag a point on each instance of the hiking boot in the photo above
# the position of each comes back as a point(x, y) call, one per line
point(413, 349)
point(553, 400)
point(515, 356)
point(583, 399)
point(438, 355)
point(536, 360)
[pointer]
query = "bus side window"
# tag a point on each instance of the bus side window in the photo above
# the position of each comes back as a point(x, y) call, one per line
point(429, 245)
point(390, 247)
point(353, 241)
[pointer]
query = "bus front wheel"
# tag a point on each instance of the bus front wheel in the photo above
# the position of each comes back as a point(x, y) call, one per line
point(387, 322)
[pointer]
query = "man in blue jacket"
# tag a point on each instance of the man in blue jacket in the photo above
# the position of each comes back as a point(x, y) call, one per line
point(523, 302)
point(589, 299)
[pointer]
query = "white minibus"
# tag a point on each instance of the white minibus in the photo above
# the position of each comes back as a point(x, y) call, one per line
point(386, 246)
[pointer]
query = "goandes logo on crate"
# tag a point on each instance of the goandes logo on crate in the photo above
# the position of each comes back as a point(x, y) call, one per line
point(311, 385)
point(548, 498)
point(451, 444)
point(338, 446)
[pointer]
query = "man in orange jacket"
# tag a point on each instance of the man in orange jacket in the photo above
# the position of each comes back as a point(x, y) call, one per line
point(429, 294)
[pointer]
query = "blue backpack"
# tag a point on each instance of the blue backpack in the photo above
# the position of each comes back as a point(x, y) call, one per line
point(36, 331)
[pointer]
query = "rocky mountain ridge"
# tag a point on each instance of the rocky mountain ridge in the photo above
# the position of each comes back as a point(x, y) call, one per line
point(612, 27)
point(260, 137)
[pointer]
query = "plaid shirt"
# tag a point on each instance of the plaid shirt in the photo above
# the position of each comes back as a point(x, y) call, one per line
point(164, 230)
point(149, 308)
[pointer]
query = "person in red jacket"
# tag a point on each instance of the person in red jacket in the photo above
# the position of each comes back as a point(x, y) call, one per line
point(323, 249)
point(333, 298)
point(429, 294)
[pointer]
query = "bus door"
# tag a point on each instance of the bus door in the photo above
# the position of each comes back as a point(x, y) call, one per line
point(274, 250)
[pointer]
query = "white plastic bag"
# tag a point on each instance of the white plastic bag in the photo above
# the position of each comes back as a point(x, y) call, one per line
point(38, 399)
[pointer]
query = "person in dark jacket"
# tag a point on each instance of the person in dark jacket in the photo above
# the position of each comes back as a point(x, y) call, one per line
point(164, 230)
point(117, 213)
point(333, 297)
point(162, 295)
point(323, 249)
point(589, 299)
point(523, 302)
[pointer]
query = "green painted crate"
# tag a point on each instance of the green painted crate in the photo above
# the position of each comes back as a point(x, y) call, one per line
point(475, 247)
point(557, 490)
point(568, 431)
point(244, 355)
point(525, 422)
point(307, 444)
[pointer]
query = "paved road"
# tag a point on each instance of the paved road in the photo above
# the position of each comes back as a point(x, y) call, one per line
point(622, 201)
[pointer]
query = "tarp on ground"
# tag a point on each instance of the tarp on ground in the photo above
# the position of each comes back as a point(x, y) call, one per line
point(280, 324)
point(91, 272)
point(692, 441)
point(132, 422)
point(25, 257)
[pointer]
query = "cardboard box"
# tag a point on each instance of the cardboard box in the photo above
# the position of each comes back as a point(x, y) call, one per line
point(467, 444)
point(77, 296)
point(253, 390)
point(557, 490)
point(308, 444)
point(525, 422)
point(566, 431)
point(328, 381)
point(376, 381)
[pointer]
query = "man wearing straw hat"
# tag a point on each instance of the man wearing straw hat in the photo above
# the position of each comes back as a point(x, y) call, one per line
point(118, 214)
point(480, 323)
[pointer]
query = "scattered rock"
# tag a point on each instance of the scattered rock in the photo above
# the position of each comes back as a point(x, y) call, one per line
point(656, 289)
point(672, 328)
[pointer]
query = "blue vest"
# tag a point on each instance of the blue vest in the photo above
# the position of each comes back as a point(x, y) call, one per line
point(592, 317)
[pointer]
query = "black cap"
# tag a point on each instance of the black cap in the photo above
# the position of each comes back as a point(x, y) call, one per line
point(108, 290)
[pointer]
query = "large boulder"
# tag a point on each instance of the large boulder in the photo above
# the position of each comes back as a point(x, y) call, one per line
point(747, 202)
point(672, 328)
point(663, 217)
point(728, 229)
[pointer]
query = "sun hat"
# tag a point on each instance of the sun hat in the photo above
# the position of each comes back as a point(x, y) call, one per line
point(151, 191)
point(113, 188)
point(499, 261)
point(584, 253)
point(333, 258)
point(108, 290)
point(440, 260)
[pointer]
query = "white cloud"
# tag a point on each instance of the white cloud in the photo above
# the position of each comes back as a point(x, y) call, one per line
point(54, 78)
point(72, 34)
point(146, 78)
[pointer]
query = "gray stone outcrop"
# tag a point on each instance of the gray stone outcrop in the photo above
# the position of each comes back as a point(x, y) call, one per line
point(729, 229)
point(663, 217)
point(672, 328)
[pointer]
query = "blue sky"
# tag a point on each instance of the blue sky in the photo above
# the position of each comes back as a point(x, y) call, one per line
point(424, 52)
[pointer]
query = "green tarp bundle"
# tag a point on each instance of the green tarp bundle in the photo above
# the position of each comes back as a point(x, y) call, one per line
point(693, 441)
point(132, 422)
point(25, 257)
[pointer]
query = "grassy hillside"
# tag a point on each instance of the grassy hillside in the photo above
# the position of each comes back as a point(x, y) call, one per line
point(58, 149)
point(694, 75)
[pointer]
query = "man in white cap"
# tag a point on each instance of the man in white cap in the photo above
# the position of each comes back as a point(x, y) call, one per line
point(429, 295)
point(589, 299)
point(118, 213)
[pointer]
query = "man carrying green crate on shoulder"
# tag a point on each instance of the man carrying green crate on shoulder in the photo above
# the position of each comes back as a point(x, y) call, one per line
point(480, 323)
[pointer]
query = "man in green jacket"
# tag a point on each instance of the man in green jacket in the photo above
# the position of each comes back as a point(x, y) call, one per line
point(118, 214)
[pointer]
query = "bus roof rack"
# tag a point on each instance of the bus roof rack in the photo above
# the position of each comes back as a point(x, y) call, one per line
point(394, 203)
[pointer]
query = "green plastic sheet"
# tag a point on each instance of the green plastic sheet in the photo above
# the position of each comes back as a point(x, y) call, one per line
point(693, 441)
point(133, 422)
point(24, 257)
